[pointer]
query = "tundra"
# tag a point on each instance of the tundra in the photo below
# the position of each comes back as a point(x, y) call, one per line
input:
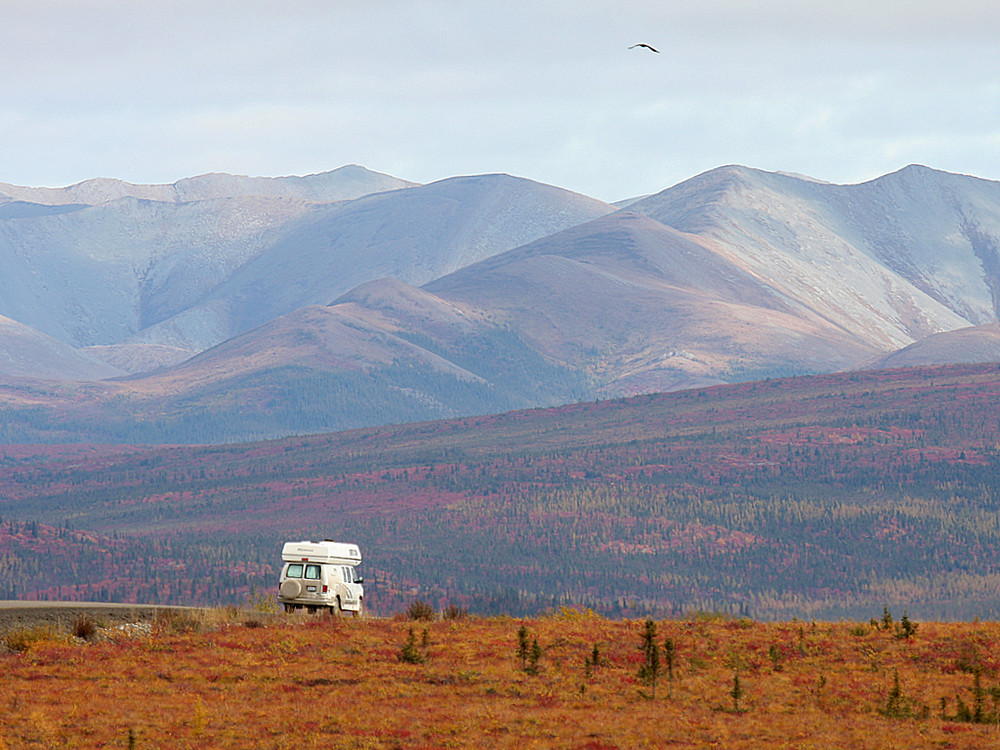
point(321, 575)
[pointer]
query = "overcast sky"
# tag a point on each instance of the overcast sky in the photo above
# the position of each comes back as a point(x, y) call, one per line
point(157, 90)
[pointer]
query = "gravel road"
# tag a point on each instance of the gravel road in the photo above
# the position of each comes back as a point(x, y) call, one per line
point(61, 615)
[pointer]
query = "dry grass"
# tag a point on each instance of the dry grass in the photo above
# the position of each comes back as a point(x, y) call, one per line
point(321, 682)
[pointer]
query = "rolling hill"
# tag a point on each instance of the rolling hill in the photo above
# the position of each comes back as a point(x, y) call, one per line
point(814, 497)
point(964, 345)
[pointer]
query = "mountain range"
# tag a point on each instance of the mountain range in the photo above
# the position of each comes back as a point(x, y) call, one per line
point(223, 308)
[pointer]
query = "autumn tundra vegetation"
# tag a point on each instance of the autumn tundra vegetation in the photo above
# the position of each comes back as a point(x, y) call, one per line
point(819, 498)
point(232, 678)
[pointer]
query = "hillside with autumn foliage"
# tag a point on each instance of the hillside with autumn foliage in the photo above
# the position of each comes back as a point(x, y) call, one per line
point(816, 497)
point(567, 680)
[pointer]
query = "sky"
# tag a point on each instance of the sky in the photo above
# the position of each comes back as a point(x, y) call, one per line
point(152, 91)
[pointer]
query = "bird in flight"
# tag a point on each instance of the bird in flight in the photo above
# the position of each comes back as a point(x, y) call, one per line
point(643, 44)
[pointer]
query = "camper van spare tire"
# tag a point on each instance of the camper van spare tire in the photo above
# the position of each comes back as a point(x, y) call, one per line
point(290, 589)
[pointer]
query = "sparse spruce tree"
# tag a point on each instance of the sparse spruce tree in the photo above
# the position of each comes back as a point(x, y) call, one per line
point(410, 652)
point(774, 654)
point(591, 661)
point(737, 692)
point(534, 655)
point(907, 628)
point(962, 712)
point(886, 619)
point(978, 699)
point(650, 670)
point(668, 659)
point(523, 646)
point(894, 705)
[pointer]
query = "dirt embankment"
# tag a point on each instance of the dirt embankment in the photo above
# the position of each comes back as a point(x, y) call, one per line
point(15, 615)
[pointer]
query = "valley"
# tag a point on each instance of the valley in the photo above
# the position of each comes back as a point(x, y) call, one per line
point(511, 396)
point(812, 497)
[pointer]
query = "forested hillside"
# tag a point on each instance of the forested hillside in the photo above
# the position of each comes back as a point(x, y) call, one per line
point(812, 497)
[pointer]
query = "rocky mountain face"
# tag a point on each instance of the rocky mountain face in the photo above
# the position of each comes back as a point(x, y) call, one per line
point(375, 300)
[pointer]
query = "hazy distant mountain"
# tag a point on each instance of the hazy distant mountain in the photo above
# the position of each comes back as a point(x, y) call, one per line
point(965, 346)
point(414, 236)
point(138, 358)
point(640, 307)
point(892, 260)
point(188, 274)
point(27, 353)
point(345, 183)
point(311, 307)
point(96, 263)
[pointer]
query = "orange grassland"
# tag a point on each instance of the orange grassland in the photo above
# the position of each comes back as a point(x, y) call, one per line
point(320, 682)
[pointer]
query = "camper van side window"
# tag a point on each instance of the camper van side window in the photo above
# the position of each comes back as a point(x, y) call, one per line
point(347, 575)
point(312, 572)
point(294, 570)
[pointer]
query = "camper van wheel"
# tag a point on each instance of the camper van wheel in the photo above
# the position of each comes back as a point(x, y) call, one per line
point(289, 607)
point(311, 610)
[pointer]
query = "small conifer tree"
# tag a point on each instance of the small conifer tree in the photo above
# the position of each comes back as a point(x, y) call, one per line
point(591, 662)
point(410, 652)
point(907, 628)
point(668, 658)
point(886, 619)
point(894, 705)
point(523, 646)
point(978, 699)
point(534, 655)
point(737, 692)
point(651, 669)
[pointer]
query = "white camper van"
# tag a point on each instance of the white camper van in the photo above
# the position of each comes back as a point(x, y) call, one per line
point(321, 575)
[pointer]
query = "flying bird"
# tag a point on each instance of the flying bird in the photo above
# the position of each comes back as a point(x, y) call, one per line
point(643, 44)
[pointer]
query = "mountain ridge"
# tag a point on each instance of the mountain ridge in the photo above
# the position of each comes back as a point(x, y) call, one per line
point(488, 292)
point(343, 183)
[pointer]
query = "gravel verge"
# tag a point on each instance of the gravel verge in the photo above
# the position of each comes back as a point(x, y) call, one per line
point(17, 615)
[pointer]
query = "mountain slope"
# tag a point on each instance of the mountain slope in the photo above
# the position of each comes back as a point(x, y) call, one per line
point(413, 236)
point(641, 307)
point(191, 264)
point(966, 345)
point(893, 260)
point(474, 294)
point(27, 353)
point(96, 263)
point(99, 274)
